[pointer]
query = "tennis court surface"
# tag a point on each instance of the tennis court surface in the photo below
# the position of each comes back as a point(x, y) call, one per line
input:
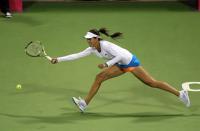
point(164, 36)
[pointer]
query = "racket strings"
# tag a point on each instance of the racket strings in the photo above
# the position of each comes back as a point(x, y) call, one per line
point(34, 49)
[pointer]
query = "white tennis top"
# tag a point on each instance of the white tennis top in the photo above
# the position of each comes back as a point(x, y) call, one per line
point(109, 51)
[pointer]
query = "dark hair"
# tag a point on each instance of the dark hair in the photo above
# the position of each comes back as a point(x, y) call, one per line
point(106, 32)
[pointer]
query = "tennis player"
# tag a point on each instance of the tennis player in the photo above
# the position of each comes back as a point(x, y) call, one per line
point(119, 62)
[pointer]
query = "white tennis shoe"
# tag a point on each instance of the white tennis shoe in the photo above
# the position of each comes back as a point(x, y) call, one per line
point(80, 103)
point(184, 97)
point(8, 15)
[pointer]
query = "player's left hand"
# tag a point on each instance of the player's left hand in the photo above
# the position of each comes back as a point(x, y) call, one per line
point(101, 66)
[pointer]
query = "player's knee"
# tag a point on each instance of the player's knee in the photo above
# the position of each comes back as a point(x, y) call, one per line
point(100, 77)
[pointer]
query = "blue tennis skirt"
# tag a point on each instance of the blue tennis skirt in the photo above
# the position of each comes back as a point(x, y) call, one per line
point(133, 63)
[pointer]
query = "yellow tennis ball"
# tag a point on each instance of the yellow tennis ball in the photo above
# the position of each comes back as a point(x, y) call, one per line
point(19, 86)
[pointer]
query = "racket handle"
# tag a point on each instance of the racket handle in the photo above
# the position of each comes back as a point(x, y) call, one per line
point(48, 57)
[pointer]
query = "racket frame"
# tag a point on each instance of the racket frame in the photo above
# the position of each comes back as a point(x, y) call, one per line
point(39, 55)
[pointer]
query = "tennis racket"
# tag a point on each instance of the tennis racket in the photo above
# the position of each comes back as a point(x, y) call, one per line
point(36, 49)
point(186, 86)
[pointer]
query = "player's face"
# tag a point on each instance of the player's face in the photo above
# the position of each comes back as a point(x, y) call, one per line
point(93, 42)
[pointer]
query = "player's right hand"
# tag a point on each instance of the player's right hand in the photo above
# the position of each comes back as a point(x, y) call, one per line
point(54, 60)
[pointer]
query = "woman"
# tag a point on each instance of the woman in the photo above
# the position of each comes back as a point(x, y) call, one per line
point(119, 62)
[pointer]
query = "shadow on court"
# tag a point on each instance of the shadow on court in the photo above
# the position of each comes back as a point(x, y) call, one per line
point(74, 117)
point(32, 88)
point(128, 97)
point(26, 20)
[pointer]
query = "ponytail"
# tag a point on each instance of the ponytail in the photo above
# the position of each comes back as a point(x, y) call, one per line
point(116, 35)
point(106, 32)
point(113, 36)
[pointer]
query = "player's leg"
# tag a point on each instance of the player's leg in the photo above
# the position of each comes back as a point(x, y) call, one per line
point(106, 74)
point(5, 8)
point(144, 76)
